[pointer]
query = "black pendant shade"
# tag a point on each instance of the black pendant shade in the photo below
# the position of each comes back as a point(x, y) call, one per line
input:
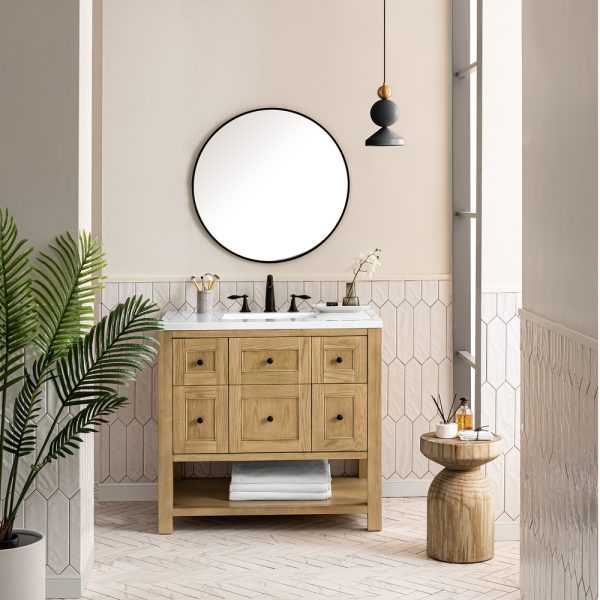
point(384, 112)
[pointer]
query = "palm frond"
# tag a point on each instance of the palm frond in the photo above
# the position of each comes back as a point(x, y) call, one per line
point(20, 437)
point(67, 281)
point(87, 420)
point(18, 321)
point(109, 355)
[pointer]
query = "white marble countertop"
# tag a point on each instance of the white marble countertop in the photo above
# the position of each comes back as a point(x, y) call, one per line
point(178, 321)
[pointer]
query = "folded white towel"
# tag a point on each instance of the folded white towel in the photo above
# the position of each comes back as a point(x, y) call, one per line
point(281, 471)
point(308, 488)
point(469, 435)
point(279, 496)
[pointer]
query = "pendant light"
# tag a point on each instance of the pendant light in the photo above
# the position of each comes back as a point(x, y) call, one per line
point(384, 112)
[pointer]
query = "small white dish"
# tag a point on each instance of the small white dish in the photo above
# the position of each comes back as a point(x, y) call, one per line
point(323, 308)
point(446, 431)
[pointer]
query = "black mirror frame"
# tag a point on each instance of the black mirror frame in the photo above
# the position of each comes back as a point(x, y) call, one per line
point(281, 260)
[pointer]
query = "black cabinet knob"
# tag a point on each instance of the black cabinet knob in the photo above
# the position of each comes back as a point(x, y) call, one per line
point(340, 417)
point(270, 419)
point(339, 360)
point(269, 361)
point(200, 420)
point(199, 362)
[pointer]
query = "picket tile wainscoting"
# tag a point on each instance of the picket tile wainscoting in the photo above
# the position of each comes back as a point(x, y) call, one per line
point(417, 362)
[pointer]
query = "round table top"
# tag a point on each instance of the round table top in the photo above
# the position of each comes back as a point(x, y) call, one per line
point(460, 455)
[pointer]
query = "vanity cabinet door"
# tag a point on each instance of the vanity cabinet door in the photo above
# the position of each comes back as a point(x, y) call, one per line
point(339, 417)
point(269, 360)
point(269, 418)
point(339, 359)
point(200, 361)
point(200, 419)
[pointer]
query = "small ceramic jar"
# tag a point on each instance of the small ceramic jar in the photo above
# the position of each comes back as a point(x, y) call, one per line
point(446, 430)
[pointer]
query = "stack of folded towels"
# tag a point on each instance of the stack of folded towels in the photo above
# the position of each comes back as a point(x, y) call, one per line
point(281, 480)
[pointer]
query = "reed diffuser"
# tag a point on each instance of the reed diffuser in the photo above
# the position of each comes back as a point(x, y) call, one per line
point(447, 427)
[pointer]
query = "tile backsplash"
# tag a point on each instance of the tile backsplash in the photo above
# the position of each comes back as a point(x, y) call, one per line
point(417, 362)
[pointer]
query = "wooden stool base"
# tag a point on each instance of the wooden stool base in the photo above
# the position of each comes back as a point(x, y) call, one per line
point(460, 517)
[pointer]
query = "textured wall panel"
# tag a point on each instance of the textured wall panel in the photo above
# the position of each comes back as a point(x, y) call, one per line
point(500, 394)
point(559, 498)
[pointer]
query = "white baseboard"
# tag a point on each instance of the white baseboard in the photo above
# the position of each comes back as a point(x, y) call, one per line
point(63, 587)
point(148, 492)
point(127, 492)
point(508, 532)
point(405, 489)
point(72, 586)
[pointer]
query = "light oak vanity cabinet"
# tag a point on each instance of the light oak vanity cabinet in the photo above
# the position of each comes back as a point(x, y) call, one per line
point(285, 390)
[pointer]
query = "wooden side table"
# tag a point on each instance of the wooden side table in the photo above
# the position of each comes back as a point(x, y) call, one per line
point(460, 511)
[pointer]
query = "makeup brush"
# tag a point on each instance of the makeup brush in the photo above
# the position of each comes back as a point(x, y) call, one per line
point(193, 278)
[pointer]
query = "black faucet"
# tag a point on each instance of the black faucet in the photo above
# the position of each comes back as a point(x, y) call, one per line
point(270, 295)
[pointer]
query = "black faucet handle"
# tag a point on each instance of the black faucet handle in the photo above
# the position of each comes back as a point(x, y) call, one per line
point(245, 307)
point(293, 307)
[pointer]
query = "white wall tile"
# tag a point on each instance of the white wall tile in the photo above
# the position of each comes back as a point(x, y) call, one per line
point(496, 352)
point(380, 292)
point(413, 292)
point(422, 332)
point(405, 335)
point(438, 332)
point(429, 387)
point(135, 451)
point(388, 447)
point(505, 415)
point(396, 389)
point(177, 294)
point(388, 343)
point(488, 307)
point(429, 290)
point(420, 463)
point(58, 536)
point(412, 389)
point(404, 447)
point(397, 292)
point(445, 292)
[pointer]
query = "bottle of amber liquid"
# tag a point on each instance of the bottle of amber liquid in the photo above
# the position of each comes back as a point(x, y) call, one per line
point(464, 415)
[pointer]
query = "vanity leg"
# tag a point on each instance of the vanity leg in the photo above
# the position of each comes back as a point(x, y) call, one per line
point(374, 431)
point(165, 499)
point(362, 468)
point(165, 434)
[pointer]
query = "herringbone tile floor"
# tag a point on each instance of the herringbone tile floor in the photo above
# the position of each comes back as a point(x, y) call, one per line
point(285, 558)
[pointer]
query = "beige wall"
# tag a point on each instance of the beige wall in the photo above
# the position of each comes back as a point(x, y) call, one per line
point(175, 69)
point(39, 50)
point(560, 159)
point(501, 147)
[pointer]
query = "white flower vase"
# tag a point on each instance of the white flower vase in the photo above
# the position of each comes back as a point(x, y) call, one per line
point(446, 431)
point(23, 568)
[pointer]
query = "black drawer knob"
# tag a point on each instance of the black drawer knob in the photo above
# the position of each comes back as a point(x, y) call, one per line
point(339, 360)
point(199, 362)
point(269, 361)
point(270, 419)
point(340, 417)
point(200, 420)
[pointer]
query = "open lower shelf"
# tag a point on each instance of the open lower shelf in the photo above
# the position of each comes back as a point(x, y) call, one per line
point(210, 497)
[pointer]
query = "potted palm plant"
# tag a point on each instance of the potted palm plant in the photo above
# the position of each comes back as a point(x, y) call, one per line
point(48, 339)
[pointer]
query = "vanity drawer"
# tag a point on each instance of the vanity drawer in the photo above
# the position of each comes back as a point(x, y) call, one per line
point(200, 419)
point(269, 418)
point(339, 359)
point(200, 361)
point(339, 417)
point(284, 360)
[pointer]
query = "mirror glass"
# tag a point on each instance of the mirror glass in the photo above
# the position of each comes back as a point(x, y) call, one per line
point(270, 185)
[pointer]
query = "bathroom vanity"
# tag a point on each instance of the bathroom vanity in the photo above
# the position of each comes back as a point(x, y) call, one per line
point(268, 387)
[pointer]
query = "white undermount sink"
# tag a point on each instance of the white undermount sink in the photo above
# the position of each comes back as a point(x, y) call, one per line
point(262, 316)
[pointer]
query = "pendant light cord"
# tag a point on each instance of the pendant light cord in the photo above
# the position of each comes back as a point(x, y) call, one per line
point(384, 11)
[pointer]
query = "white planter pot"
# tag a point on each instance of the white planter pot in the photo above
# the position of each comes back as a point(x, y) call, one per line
point(446, 430)
point(23, 569)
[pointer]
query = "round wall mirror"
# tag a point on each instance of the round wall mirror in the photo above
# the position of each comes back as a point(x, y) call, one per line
point(270, 185)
